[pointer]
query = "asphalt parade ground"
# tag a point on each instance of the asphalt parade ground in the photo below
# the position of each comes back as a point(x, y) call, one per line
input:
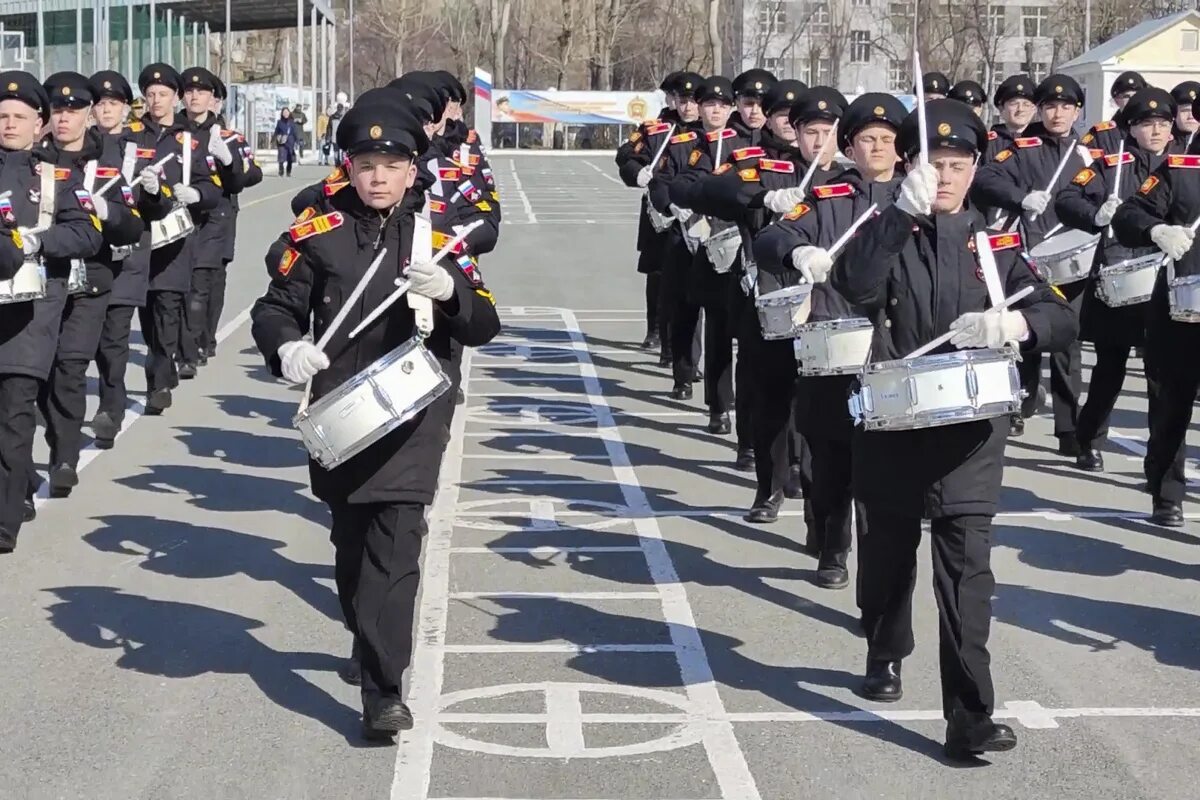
point(597, 622)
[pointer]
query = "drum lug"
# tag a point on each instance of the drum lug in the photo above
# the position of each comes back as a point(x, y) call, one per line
point(911, 384)
point(855, 404)
point(972, 385)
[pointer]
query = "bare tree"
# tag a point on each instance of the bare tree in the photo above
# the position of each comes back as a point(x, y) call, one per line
point(498, 20)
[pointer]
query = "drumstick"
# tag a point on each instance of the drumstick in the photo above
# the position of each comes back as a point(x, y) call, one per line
point(1052, 231)
point(948, 335)
point(353, 299)
point(158, 165)
point(187, 158)
point(845, 237)
point(663, 147)
point(1117, 178)
point(402, 286)
point(1062, 164)
point(108, 185)
point(816, 162)
point(987, 265)
point(922, 122)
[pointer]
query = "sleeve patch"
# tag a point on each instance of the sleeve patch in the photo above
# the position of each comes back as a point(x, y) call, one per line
point(85, 200)
point(484, 205)
point(470, 268)
point(486, 295)
point(1084, 177)
point(748, 175)
point(799, 211)
point(1148, 185)
point(288, 260)
point(1003, 155)
point(694, 158)
point(721, 170)
point(993, 136)
point(1087, 138)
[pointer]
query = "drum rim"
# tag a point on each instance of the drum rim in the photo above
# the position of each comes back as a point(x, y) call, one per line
point(778, 294)
point(1132, 264)
point(1093, 240)
point(961, 356)
point(850, 324)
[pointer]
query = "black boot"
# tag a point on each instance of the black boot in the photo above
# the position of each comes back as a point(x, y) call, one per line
point(351, 669)
point(384, 717)
point(1068, 445)
point(745, 460)
point(30, 510)
point(651, 342)
point(765, 510)
point(683, 392)
point(832, 572)
point(8, 542)
point(1090, 460)
point(187, 371)
point(718, 423)
point(63, 478)
point(882, 682)
point(1016, 426)
point(970, 733)
point(158, 402)
point(105, 429)
point(1167, 514)
point(793, 489)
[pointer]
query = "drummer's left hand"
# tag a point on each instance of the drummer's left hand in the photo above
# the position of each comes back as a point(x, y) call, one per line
point(813, 263)
point(187, 195)
point(989, 329)
point(431, 280)
point(781, 201)
point(1084, 154)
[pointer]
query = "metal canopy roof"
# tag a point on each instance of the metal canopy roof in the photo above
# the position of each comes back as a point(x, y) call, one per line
point(244, 15)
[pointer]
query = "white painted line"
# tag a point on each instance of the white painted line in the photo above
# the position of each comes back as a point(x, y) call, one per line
point(1136, 443)
point(532, 435)
point(532, 457)
point(534, 395)
point(557, 595)
point(532, 379)
point(530, 218)
point(628, 515)
point(541, 552)
point(570, 648)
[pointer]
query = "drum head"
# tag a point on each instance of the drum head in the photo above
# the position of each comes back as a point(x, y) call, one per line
point(1065, 243)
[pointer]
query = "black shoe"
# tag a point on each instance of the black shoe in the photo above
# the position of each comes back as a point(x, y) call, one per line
point(202, 361)
point(882, 682)
point(1090, 460)
point(651, 342)
point(105, 429)
point(765, 511)
point(745, 460)
point(664, 360)
point(159, 401)
point(460, 398)
point(698, 377)
point(718, 423)
point(969, 734)
point(383, 718)
point(187, 371)
point(63, 479)
point(30, 511)
point(8, 542)
point(1167, 514)
point(210, 351)
point(793, 489)
point(351, 669)
point(682, 392)
point(1016, 426)
point(832, 572)
point(1068, 446)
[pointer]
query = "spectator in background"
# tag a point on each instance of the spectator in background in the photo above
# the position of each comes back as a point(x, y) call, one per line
point(300, 119)
point(321, 141)
point(335, 119)
point(286, 141)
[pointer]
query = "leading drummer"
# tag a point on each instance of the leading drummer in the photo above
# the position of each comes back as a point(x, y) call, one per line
point(913, 269)
point(378, 497)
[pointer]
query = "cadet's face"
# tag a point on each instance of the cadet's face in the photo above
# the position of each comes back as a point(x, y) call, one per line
point(19, 125)
point(813, 136)
point(109, 112)
point(67, 125)
point(216, 104)
point(778, 124)
point(874, 149)
point(381, 179)
point(454, 109)
point(978, 111)
point(160, 102)
point(955, 171)
point(197, 101)
point(1017, 112)
point(715, 114)
point(750, 110)
point(1120, 100)
point(1153, 134)
point(688, 110)
point(1058, 117)
point(1184, 119)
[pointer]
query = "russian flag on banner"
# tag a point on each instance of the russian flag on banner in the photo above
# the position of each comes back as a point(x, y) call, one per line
point(483, 86)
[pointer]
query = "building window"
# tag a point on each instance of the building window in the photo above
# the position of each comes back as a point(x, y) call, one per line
point(901, 14)
point(995, 20)
point(1036, 70)
point(1191, 41)
point(862, 3)
point(772, 17)
point(772, 65)
point(898, 71)
point(818, 19)
point(1035, 20)
point(860, 47)
point(824, 71)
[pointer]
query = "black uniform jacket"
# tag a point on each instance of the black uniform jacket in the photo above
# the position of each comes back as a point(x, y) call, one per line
point(631, 156)
point(317, 274)
point(132, 275)
point(466, 151)
point(29, 330)
point(1104, 138)
point(456, 199)
point(999, 138)
point(914, 277)
point(1076, 206)
point(1171, 195)
point(215, 239)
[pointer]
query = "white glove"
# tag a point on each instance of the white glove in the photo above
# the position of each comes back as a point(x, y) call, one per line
point(749, 281)
point(101, 207)
point(681, 214)
point(300, 360)
point(30, 243)
point(814, 263)
point(1084, 154)
point(781, 201)
point(1107, 211)
point(430, 280)
point(918, 191)
point(989, 329)
point(1036, 202)
point(1174, 240)
point(149, 178)
point(218, 148)
point(644, 175)
point(186, 194)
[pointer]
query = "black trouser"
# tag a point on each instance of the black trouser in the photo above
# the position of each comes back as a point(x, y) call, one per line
point(773, 374)
point(216, 304)
point(1166, 452)
point(18, 423)
point(653, 323)
point(63, 398)
point(963, 584)
point(1066, 371)
point(161, 320)
point(718, 358)
point(194, 323)
point(377, 568)
point(1104, 387)
point(743, 396)
point(112, 357)
point(832, 498)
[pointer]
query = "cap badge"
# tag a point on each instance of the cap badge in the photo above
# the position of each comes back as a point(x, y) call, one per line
point(822, 105)
point(195, 79)
point(1129, 80)
point(108, 84)
point(1020, 87)
point(791, 95)
point(879, 112)
point(66, 90)
point(758, 84)
point(375, 132)
point(1153, 104)
point(1058, 90)
point(157, 75)
point(12, 87)
point(933, 84)
point(1192, 94)
point(687, 85)
point(944, 129)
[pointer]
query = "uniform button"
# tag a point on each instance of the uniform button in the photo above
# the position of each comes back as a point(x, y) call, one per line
point(895, 300)
point(887, 323)
point(325, 299)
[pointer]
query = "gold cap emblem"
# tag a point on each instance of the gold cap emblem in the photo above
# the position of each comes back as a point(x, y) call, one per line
point(195, 79)
point(1154, 104)
point(108, 84)
point(758, 84)
point(933, 83)
point(1192, 94)
point(1020, 87)
point(1129, 80)
point(157, 75)
point(1058, 90)
point(791, 95)
point(821, 104)
point(375, 132)
point(687, 85)
point(12, 87)
point(944, 129)
point(879, 112)
point(66, 90)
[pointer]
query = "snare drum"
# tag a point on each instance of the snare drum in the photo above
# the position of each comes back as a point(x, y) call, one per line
point(171, 228)
point(782, 312)
point(722, 248)
point(695, 232)
point(372, 404)
point(77, 282)
point(28, 284)
point(660, 222)
point(935, 390)
point(1184, 294)
point(836, 347)
point(1128, 282)
point(1067, 257)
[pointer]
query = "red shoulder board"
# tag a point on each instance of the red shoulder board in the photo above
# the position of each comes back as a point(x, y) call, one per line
point(1096, 152)
point(724, 133)
point(1107, 125)
point(1028, 141)
point(288, 260)
point(335, 176)
point(1118, 158)
point(145, 152)
point(437, 207)
point(993, 136)
point(799, 211)
point(1184, 162)
point(833, 190)
point(107, 172)
point(771, 165)
point(322, 224)
point(449, 173)
point(330, 189)
point(748, 152)
point(1004, 241)
point(657, 128)
point(62, 174)
point(683, 137)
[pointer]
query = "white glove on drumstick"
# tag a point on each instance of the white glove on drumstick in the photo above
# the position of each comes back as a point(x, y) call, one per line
point(149, 179)
point(300, 360)
point(989, 329)
point(431, 280)
point(1106, 212)
point(218, 148)
point(645, 174)
point(1036, 202)
point(187, 195)
point(918, 191)
point(781, 201)
point(814, 263)
point(1174, 240)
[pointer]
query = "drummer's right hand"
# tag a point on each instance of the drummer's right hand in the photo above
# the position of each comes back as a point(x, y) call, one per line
point(918, 191)
point(149, 179)
point(300, 360)
point(30, 243)
point(644, 175)
point(1106, 212)
point(1036, 202)
point(1174, 240)
point(814, 263)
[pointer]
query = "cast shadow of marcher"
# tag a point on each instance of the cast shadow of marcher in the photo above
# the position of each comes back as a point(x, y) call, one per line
point(244, 448)
point(214, 489)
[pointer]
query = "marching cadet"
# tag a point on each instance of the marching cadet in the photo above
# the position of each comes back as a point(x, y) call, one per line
point(1185, 124)
point(378, 497)
point(914, 271)
point(471, 152)
point(1088, 204)
point(73, 145)
point(796, 249)
point(170, 263)
point(971, 93)
point(1105, 137)
point(1162, 213)
point(29, 327)
point(935, 84)
point(1014, 101)
point(1015, 182)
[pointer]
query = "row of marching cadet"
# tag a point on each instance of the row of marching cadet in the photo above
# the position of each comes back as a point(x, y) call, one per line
point(891, 316)
point(103, 215)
